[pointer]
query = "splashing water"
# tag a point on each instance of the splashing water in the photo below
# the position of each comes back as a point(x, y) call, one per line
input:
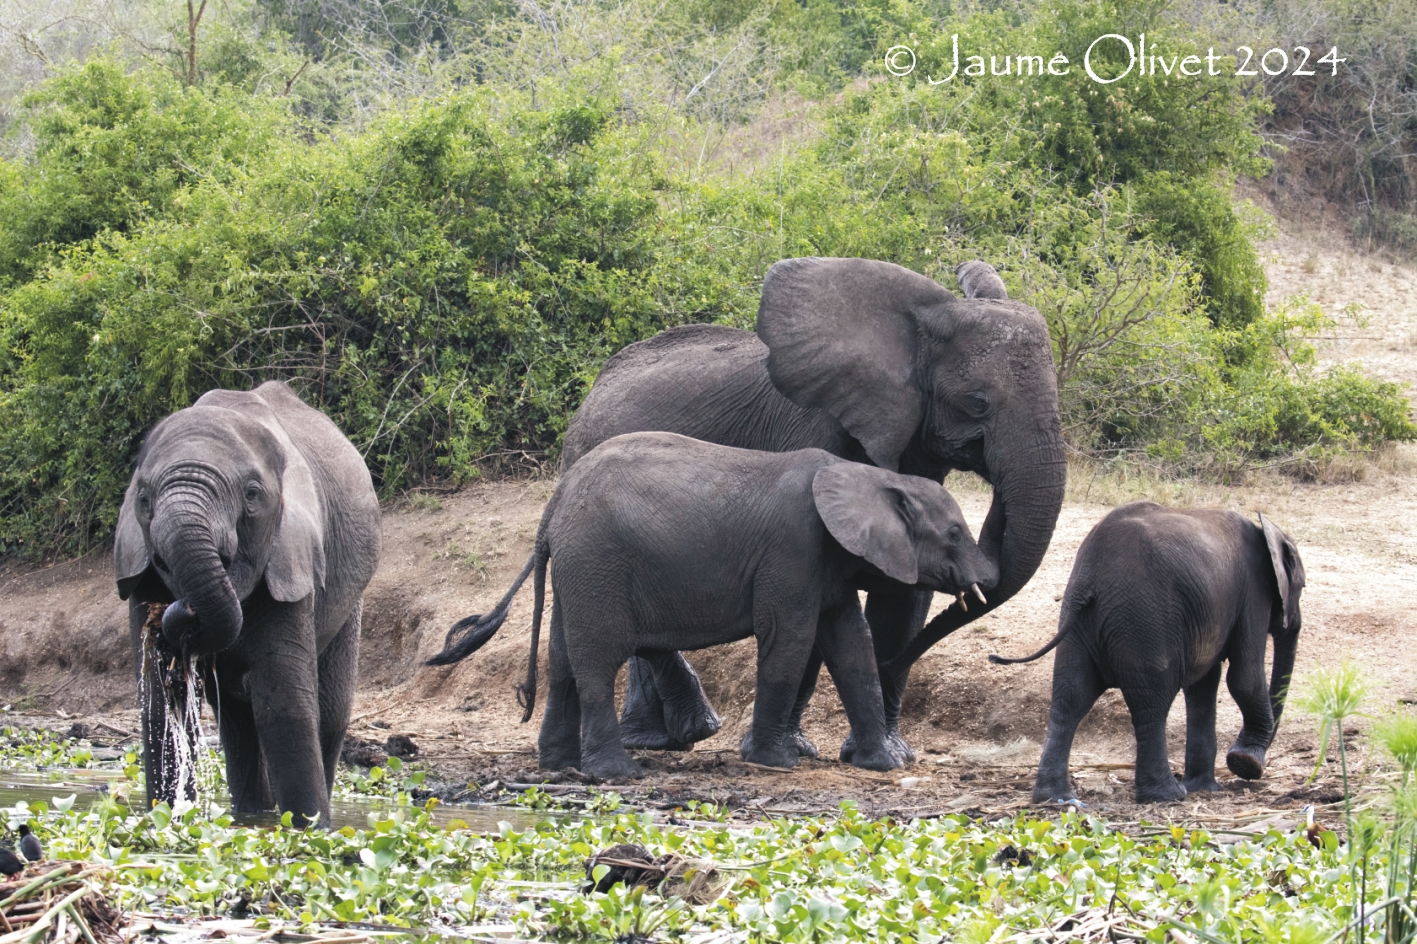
point(186, 762)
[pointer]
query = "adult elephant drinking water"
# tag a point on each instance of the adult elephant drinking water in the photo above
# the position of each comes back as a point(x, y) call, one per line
point(256, 520)
point(871, 362)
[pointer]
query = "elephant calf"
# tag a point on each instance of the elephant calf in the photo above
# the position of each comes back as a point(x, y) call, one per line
point(664, 543)
point(1158, 598)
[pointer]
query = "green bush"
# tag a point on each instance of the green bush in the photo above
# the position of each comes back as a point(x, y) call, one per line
point(446, 278)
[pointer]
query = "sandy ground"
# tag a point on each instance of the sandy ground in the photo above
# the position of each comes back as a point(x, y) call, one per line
point(976, 727)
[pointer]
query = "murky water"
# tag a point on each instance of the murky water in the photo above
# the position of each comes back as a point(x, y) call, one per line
point(48, 785)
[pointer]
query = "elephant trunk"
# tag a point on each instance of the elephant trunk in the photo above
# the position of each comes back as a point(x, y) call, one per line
point(1028, 495)
point(206, 618)
point(1285, 645)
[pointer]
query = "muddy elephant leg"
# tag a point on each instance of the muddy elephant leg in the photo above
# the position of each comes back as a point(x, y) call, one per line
point(683, 718)
point(896, 616)
point(595, 663)
point(245, 767)
point(559, 745)
point(284, 685)
point(1200, 733)
point(665, 706)
point(844, 641)
point(1246, 682)
point(1076, 688)
point(1149, 707)
point(339, 673)
point(805, 747)
point(786, 633)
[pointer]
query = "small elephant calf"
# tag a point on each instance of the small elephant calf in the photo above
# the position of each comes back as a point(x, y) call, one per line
point(663, 543)
point(1158, 598)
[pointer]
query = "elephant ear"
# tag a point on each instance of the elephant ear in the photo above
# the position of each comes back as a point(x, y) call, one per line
point(843, 336)
point(296, 566)
point(865, 509)
point(980, 280)
point(130, 550)
point(1288, 569)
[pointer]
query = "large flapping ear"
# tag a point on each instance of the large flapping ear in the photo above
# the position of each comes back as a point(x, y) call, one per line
point(296, 566)
point(1288, 570)
point(980, 280)
point(843, 336)
point(130, 551)
point(865, 511)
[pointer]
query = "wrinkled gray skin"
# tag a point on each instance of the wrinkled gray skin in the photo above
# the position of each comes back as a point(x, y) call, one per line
point(662, 543)
point(1158, 599)
point(258, 518)
point(874, 363)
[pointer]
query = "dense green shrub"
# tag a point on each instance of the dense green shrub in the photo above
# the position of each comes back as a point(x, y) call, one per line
point(446, 279)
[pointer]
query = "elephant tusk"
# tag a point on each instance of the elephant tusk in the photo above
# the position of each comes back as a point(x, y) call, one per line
point(959, 598)
point(979, 593)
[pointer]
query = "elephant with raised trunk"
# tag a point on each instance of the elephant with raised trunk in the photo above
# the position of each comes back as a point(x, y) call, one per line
point(256, 520)
point(874, 363)
point(1158, 599)
point(660, 542)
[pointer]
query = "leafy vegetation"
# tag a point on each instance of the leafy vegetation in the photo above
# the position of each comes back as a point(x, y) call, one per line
point(443, 273)
point(840, 878)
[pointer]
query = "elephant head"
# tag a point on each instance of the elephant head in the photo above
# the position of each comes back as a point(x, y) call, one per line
point(908, 528)
point(220, 500)
point(1286, 619)
point(926, 382)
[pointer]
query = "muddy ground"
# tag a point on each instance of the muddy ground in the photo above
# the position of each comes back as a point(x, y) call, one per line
point(976, 727)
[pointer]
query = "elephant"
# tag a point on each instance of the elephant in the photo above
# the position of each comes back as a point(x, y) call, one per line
point(661, 543)
point(874, 363)
point(254, 517)
point(1158, 599)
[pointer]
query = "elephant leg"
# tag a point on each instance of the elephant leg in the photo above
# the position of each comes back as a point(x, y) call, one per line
point(1076, 687)
point(1149, 708)
point(245, 767)
point(665, 706)
point(785, 641)
point(339, 673)
point(1246, 681)
point(1200, 733)
point(805, 747)
point(896, 616)
point(668, 679)
point(844, 641)
point(284, 685)
point(559, 745)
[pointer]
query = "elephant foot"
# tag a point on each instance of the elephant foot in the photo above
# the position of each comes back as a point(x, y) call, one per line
point(783, 753)
point(893, 739)
point(698, 722)
point(1053, 788)
point(1202, 784)
point(650, 739)
point(879, 757)
point(795, 738)
point(613, 766)
point(558, 758)
point(1165, 789)
point(1244, 762)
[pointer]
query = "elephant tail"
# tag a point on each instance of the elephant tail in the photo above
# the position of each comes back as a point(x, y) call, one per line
point(471, 633)
point(1072, 612)
point(526, 692)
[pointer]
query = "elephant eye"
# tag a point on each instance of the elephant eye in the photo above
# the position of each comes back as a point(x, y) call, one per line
point(955, 534)
point(977, 402)
point(253, 493)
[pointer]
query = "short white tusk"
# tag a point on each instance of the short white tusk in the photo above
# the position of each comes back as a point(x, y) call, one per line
point(979, 593)
point(959, 598)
